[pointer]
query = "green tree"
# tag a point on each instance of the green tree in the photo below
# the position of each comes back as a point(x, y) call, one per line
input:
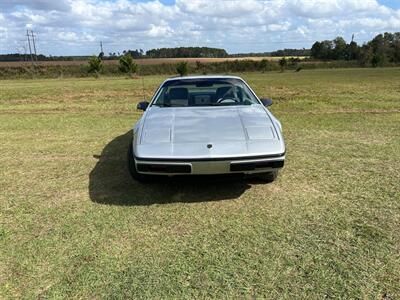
point(353, 51)
point(186, 52)
point(316, 50)
point(182, 68)
point(282, 63)
point(339, 48)
point(127, 64)
point(365, 56)
point(396, 47)
point(95, 65)
point(377, 60)
point(264, 64)
point(322, 50)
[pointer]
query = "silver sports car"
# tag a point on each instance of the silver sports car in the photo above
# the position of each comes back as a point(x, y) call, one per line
point(206, 125)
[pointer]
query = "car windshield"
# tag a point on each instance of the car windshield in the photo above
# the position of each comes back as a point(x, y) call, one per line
point(204, 92)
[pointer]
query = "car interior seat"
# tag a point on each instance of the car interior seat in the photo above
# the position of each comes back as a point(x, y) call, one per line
point(177, 97)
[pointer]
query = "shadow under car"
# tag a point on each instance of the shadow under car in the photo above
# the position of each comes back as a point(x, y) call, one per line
point(110, 182)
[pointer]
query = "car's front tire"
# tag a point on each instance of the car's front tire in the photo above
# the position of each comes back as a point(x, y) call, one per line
point(268, 176)
point(132, 167)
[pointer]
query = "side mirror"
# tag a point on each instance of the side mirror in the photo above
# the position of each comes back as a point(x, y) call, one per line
point(142, 105)
point(266, 102)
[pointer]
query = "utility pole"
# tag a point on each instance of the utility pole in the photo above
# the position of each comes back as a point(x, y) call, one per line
point(29, 43)
point(34, 44)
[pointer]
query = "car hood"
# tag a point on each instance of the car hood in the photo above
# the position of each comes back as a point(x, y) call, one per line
point(208, 132)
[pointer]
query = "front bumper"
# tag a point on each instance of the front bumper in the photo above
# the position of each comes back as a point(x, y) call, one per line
point(210, 166)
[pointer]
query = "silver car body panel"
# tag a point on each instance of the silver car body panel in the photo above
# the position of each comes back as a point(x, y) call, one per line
point(209, 139)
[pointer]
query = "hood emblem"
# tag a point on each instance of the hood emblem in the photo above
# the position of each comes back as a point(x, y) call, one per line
point(209, 146)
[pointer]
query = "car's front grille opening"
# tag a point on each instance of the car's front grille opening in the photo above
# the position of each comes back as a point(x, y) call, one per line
point(161, 168)
point(251, 166)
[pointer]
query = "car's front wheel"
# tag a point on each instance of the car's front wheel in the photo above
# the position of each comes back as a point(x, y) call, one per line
point(132, 167)
point(268, 176)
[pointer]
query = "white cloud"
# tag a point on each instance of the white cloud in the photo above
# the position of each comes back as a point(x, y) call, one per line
point(278, 27)
point(237, 25)
point(220, 9)
point(68, 36)
point(160, 31)
point(371, 23)
point(328, 8)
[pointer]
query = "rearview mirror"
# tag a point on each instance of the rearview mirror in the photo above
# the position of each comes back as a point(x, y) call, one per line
point(142, 105)
point(266, 102)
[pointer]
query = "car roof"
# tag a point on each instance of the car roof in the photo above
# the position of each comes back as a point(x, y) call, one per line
point(203, 77)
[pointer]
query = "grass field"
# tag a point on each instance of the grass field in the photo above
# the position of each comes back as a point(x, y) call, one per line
point(73, 224)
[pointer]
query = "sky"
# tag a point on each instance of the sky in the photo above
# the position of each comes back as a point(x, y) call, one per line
point(76, 27)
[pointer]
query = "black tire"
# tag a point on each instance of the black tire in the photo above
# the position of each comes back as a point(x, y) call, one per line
point(132, 167)
point(268, 176)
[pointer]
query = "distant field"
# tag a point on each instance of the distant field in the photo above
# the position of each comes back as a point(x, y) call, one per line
point(73, 224)
point(150, 61)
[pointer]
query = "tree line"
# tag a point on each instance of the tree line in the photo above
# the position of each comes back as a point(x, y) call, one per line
point(181, 52)
point(186, 52)
point(279, 53)
point(382, 49)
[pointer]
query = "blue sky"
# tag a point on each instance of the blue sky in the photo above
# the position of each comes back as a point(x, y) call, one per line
point(76, 27)
point(389, 3)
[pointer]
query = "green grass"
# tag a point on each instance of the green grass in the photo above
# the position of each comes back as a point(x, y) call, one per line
point(73, 224)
